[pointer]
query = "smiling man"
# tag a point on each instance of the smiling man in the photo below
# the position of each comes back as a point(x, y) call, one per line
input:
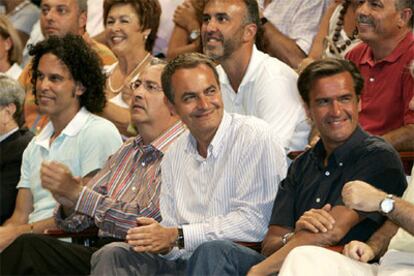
point(218, 180)
point(68, 86)
point(385, 27)
point(330, 89)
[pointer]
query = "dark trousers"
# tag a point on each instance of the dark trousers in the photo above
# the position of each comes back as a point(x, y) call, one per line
point(33, 254)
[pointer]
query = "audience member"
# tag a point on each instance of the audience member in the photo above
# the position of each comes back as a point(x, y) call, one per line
point(215, 185)
point(23, 14)
point(397, 260)
point(186, 35)
point(330, 89)
point(68, 86)
point(10, 49)
point(289, 27)
point(131, 27)
point(55, 23)
point(252, 82)
point(386, 29)
point(337, 33)
point(13, 141)
point(127, 187)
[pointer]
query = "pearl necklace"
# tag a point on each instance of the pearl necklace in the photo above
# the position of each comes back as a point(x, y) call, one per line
point(133, 72)
point(335, 47)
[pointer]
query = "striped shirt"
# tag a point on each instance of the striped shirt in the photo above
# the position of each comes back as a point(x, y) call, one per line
point(228, 195)
point(127, 187)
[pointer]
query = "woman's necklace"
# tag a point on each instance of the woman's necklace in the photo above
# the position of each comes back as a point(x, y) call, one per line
point(335, 47)
point(18, 7)
point(133, 72)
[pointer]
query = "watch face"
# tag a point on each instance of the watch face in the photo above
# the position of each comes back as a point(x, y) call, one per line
point(194, 35)
point(387, 205)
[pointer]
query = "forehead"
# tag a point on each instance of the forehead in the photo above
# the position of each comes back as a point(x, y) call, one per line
point(52, 3)
point(51, 64)
point(193, 79)
point(152, 73)
point(224, 6)
point(332, 86)
point(120, 8)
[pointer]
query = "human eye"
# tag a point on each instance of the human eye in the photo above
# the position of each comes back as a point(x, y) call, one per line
point(222, 18)
point(39, 75)
point(211, 91)
point(62, 10)
point(135, 84)
point(206, 18)
point(45, 9)
point(375, 4)
point(125, 19)
point(188, 98)
point(110, 21)
point(345, 99)
point(56, 78)
point(322, 102)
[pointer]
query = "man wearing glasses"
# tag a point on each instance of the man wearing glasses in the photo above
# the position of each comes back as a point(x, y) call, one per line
point(126, 188)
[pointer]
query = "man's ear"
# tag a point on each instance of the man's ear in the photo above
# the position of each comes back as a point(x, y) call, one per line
point(83, 18)
point(250, 31)
point(170, 106)
point(405, 16)
point(80, 89)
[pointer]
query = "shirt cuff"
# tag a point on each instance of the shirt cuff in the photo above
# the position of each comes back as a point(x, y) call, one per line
point(193, 236)
point(88, 202)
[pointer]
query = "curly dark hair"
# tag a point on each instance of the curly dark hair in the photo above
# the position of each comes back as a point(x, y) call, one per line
point(148, 12)
point(82, 62)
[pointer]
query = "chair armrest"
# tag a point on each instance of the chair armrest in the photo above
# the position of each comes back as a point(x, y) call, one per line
point(59, 233)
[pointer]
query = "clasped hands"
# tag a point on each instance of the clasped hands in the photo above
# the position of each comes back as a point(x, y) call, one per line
point(150, 236)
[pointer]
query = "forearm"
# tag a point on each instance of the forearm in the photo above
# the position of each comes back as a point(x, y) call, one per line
point(282, 47)
point(381, 238)
point(402, 138)
point(403, 215)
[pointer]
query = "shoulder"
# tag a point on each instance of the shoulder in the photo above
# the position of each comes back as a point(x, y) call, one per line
point(97, 126)
point(357, 52)
point(273, 68)
point(376, 148)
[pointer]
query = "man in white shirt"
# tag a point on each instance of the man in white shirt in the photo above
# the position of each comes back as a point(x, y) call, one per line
point(252, 82)
point(218, 180)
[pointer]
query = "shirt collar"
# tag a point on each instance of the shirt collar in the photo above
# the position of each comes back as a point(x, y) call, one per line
point(341, 153)
point(71, 129)
point(6, 135)
point(251, 72)
point(162, 142)
point(368, 57)
point(217, 142)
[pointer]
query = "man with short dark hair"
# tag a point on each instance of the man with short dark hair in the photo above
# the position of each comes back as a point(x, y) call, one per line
point(252, 82)
point(218, 180)
point(68, 86)
point(384, 57)
point(330, 89)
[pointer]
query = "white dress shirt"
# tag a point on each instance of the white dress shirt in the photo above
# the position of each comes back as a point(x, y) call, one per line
point(229, 194)
point(268, 91)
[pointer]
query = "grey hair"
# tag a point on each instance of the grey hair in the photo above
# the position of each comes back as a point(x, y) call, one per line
point(11, 92)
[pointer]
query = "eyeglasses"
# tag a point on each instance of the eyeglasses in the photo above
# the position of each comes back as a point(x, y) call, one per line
point(148, 85)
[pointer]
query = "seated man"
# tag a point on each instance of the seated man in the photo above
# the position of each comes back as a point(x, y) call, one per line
point(13, 141)
point(127, 187)
point(218, 180)
point(68, 86)
point(330, 88)
point(383, 59)
point(397, 260)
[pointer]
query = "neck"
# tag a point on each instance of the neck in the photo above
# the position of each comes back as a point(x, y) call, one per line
point(203, 141)
point(385, 47)
point(60, 121)
point(8, 127)
point(150, 132)
point(127, 63)
point(236, 66)
point(4, 65)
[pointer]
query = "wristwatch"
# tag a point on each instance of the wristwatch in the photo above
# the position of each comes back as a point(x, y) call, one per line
point(387, 204)
point(286, 237)
point(180, 238)
point(194, 34)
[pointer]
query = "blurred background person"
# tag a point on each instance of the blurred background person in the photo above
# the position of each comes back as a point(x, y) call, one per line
point(10, 49)
point(131, 28)
point(13, 141)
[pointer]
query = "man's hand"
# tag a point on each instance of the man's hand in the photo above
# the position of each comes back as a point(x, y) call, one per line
point(361, 196)
point(7, 235)
point(185, 17)
point(151, 237)
point(58, 179)
point(359, 251)
point(316, 220)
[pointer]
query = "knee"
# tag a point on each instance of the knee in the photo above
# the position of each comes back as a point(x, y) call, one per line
point(214, 249)
point(110, 251)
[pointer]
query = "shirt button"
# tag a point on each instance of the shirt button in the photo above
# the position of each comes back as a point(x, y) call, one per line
point(371, 79)
point(327, 173)
point(318, 200)
point(341, 164)
point(134, 188)
point(143, 164)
